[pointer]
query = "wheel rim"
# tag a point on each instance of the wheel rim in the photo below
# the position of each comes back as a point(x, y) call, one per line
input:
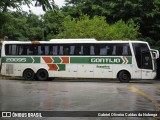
point(29, 75)
point(125, 77)
point(42, 74)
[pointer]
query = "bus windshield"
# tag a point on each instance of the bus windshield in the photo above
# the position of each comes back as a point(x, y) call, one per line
point(142, 55)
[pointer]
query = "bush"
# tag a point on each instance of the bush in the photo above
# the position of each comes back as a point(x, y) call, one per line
point(97, 27)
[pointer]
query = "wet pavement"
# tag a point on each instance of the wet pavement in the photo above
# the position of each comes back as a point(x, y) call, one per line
point(80, 95)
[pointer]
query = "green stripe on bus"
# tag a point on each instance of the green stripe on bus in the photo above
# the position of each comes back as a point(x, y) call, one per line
point(56, 60)
point(62, 67)
point(36, 59)
point(101, 60)
point(21, 59)
point(78, 60)
point(129, 60)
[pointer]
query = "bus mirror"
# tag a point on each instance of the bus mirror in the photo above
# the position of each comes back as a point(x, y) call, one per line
point(155, 54)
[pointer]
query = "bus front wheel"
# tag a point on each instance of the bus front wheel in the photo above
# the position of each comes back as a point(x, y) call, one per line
point(124, 76)
point(42, 74)
point(28, 74)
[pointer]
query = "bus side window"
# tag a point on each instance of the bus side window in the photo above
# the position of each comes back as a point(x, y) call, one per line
point(72, 50)
point(125, 50)
point(114, 50)
point(43, 50)
point(10, 50)
point(50, 50)
point(35, 50)
point(61, 50)
point(66, 50)
point(20, 50)
point(55, 50)
point(7, 49)
point(39, 50)
point(79, 50)
point(109, 49)
point(46, 50)
point(97, 49)
point(13, 49)
point(119, 49)
point(92, 52)
point(86, 49)
point(24, 51)
point(103, 50)
point(29, 50)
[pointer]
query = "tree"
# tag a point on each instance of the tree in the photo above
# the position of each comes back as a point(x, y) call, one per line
point(52, 21)
point(8, 20)
point(28, 26)
point(76, 8)
point(144, 13)
point(22, 26)
point(84, 27)
point(16, 4)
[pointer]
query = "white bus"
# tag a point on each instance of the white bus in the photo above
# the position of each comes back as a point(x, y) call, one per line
point(79, 58)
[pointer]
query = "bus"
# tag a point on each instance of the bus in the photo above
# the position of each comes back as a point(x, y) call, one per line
point(0, 49)
point(79, 58)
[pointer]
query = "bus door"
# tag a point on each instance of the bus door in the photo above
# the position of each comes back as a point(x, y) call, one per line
point(146, 64)
point(143, 60)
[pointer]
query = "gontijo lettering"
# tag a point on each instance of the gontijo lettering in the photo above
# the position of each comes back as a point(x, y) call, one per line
point(105, 60)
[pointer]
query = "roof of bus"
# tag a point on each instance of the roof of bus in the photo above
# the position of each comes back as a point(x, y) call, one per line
point(73, 41)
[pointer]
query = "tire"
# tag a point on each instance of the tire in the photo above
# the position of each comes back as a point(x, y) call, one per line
point(124, 77)
point(28, 74)
point(42, 75)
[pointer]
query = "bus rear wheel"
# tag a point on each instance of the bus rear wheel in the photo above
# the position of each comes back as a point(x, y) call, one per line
point(42, 75)
point(28, 74)
point(124, 76)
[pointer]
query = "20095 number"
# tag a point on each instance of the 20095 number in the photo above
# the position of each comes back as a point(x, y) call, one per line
point(15, 59)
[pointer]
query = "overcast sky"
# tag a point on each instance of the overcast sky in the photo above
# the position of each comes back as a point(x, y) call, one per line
point(39, 11)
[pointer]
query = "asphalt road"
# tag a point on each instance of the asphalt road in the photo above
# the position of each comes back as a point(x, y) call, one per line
point(80, 95)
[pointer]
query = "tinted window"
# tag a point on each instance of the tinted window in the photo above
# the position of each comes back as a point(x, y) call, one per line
point(142, 55)
point(68, 49)
point(11, 49)
point(103, 49)
point(110, 49)
point(0, 52)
